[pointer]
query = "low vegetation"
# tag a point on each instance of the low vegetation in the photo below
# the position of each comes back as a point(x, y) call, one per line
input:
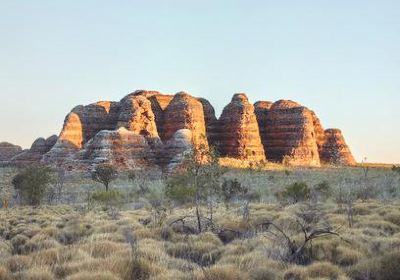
point(205, 222)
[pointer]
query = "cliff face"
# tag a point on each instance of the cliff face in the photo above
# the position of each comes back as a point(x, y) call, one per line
point(334, 149)
point(150, 128)
point(185, 112)
point(291, 135)
point(238, 134)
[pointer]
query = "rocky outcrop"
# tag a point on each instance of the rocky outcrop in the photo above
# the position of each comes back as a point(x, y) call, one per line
point(150, 128)
point(334, 149)
point(84, 122)
point(290, 136)
point(8, 151)
point(185, 112)
point(238, 134)
point(81, 125)
point(121, 147)
point(34, 155)
point(159, 103)
point(136, 115)
point(175, 149)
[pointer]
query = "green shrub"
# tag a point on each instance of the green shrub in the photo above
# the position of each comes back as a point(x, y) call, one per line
point(179, 191)
point(294, 193)
point(32, 183)
point(322, 190)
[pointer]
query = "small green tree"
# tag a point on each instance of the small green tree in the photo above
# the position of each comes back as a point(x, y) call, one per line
point(294, 193)
point(32, 183)
point(197, 181)
point(104, 174)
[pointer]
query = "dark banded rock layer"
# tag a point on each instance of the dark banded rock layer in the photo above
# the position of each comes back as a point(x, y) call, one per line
point(238, 134)
point(334, 149)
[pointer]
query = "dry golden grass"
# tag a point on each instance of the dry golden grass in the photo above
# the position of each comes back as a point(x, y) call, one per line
point(74, 243)
point(91, 245)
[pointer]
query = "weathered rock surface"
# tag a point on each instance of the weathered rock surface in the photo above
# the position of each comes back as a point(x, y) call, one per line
point(8, 151)
point(137, 116)
point(81, 125)
point(238, 134)
point(185, 112)
point(34, 155)
point(150, 128)
point(175, 149)
point(334, 149)
point(122, 148)
point(291, 136)
point(159, 103)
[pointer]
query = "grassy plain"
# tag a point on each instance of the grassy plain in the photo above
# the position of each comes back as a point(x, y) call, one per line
point(73, 240)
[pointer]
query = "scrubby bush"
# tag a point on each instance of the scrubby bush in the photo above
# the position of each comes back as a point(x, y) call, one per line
point(396, 169)
point(104, 174)
point(112, 197)
point(378, 268)
point(321, 191)
point(178, 190)
point(111, 200)
point(32, 183)
point(294, 193)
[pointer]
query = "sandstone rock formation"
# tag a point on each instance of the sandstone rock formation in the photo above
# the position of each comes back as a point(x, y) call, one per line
point(175, 150)
point(238, 134)
point(8, 151)
point(159, 103)
point(290, 135)
point(121, 147)
point(34, 155)
point(150, 128)
point(334, 149)
point(137, 116)
point(185, 112)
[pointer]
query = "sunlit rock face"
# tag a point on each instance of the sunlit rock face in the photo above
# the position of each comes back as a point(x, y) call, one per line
point(151, 128)
point(34, 155)
point(290, 135)
point(159, 103)
point(239, 134)
point(81, 125)
point(8, 151)
point(136, 115)
point(185, 112)
point(334, 149)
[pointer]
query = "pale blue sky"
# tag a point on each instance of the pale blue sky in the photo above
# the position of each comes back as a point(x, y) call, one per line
point(341, 58)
